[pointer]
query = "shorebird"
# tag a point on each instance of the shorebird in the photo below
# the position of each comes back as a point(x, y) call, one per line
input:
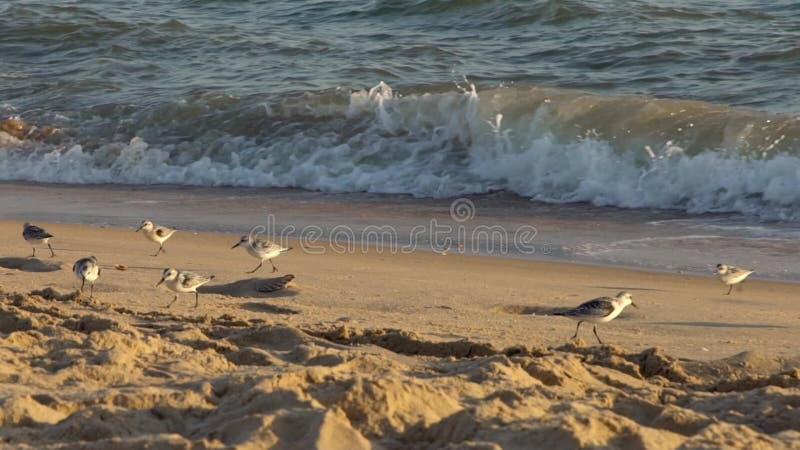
point(156, 233)
point(732, 275)
point(261, 249)
point(37, 236)
point(599, 310)
point(180, 281)
point(87, 269)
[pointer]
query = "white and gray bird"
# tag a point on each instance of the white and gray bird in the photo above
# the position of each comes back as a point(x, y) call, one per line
point(599, 310)
point(261, 249)
point(732, 275)
point(156, 233)
point(36, 236)
point(181, 281)
point(87, 269)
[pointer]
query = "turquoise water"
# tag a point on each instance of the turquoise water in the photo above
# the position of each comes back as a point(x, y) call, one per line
point(674, 105)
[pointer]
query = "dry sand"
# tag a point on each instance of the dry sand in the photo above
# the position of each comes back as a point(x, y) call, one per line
point(384, 351)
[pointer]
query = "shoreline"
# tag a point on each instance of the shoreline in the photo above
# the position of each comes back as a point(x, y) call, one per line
point(663, 241)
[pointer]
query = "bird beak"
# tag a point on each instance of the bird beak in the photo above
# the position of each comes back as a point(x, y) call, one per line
point(237, 244)
point(634, 305)
point(159, 283)
point(137, 230)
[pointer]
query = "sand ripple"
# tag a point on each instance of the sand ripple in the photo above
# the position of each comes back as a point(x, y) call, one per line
point(84, 375)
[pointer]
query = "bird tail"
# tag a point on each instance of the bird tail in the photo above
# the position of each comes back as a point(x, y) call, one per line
point(286, 249)
point(211, 277)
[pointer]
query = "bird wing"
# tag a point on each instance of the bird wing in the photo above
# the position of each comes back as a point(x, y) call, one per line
point(161, 231)
point(739, 271)
point(191, 279)
point(599, 307)
point(85, 265)
point(32, 231)
point(267, 246)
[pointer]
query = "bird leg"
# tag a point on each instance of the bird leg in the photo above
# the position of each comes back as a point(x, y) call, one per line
point(173, 301)
point(196, 299)
point(91, 291)
point(52, 253)
point(160, 249)
point(594, 328)
point(729, 290)
point(82, 283)
point(274, 269)
point(34, 252)
point(577, 328)
point(258, 267)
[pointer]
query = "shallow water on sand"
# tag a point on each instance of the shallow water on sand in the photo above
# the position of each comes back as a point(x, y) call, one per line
point(499, 224)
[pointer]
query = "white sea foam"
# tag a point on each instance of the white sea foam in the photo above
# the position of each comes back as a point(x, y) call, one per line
point(449, 144)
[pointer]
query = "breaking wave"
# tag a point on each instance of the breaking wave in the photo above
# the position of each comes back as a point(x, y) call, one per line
point(548, 144)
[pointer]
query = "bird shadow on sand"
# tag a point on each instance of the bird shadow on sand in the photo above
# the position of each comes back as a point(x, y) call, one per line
point(529, 310)
point(253, 287)
point(718, 325)
point(543, 310)
point(260, 288)
point(30, 264)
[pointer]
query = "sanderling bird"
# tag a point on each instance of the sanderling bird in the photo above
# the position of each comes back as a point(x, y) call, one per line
point(37, 236)
point(599, 310)
point(261, 249)
point(87, 269)
point(180, 281)
point(732, 275)
point(156, 233)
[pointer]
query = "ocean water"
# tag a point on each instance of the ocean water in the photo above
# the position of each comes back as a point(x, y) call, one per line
point(691, 106)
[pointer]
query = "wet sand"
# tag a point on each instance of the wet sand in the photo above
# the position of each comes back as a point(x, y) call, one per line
point(660, 240)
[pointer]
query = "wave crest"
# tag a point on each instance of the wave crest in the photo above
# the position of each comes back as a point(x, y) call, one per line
point(548, 144)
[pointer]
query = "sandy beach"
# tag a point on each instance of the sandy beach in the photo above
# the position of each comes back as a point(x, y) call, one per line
point(450, 185)
point(379, 350)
